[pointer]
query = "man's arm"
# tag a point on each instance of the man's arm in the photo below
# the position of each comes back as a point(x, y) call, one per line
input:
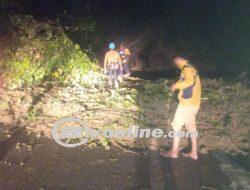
point(188, 79)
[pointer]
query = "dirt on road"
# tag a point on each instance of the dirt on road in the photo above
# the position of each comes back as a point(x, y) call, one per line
point(29, 163)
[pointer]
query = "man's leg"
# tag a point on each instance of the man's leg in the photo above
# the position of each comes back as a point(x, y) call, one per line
point(176, 143)
point(177, 125)
point(126, 69)
point(191, 126)
point(174, 152)
point(120, 75)
point(116, 78)
point(110, 77)
point(194, 152)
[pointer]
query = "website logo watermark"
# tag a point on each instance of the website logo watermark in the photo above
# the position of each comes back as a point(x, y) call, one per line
point(73, 132)
point(67, 129)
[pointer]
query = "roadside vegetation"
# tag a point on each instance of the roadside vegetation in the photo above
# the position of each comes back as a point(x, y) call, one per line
point(48, 76)
point(42, 52)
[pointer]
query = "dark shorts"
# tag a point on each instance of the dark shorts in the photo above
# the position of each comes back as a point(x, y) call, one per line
point(126, 69)
point(113, 71)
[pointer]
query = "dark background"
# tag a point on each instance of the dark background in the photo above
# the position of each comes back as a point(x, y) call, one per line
point(214, 34)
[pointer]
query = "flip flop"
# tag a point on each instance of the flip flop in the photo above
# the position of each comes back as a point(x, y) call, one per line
point(168, 156)
point(188, 156)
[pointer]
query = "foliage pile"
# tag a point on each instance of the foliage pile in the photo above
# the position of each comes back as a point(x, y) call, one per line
point(224, 114)
point(98, 106)
point(44, 53)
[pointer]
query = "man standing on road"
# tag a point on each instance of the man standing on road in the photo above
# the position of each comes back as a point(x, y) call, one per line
point(189, 87)
point(112, 64)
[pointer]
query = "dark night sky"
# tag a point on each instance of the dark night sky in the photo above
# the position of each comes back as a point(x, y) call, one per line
point(212, 32)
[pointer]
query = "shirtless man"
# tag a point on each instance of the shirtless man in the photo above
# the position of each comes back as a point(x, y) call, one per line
point(112, 64)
